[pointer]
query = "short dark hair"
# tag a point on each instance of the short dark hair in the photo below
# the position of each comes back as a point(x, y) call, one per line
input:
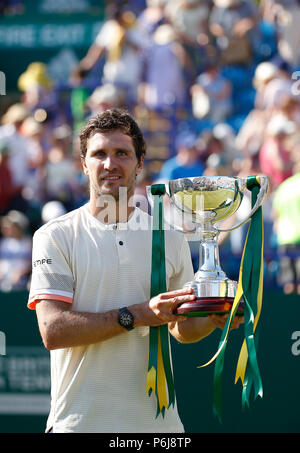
point(112, 120)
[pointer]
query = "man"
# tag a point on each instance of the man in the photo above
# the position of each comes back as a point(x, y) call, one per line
point(89, 264)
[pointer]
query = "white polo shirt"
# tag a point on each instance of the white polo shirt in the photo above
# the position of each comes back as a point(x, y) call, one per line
point(77, 259)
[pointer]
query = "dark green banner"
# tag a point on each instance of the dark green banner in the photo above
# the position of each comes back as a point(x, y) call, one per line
point(279, 361)
point(25, 373)
point(38, 34)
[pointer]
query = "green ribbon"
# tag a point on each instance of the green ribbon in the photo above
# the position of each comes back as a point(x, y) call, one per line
point(159, 336)
point(251, 269)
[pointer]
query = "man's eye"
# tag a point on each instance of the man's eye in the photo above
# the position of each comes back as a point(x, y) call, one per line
point(122, 153)
point(99, 153)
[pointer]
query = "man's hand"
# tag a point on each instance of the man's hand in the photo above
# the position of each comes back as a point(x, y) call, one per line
point(161, 308)
point(164, 305)
point(220, 321)
point(196, 328)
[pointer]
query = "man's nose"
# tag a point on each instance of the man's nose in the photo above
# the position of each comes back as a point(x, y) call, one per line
point(109, 163)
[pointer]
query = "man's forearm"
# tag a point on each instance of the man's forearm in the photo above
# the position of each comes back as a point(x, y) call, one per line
point(62, 327)
point(196, 328)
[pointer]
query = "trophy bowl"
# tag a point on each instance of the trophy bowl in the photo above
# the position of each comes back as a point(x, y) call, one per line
point(201, 202)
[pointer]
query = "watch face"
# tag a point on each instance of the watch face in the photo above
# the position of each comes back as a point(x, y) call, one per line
point(126, 319)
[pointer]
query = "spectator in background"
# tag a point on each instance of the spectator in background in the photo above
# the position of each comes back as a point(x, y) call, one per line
point(164, 80)
point(120, 41)
point(187, 162)
point(34, 187)
point(265, 73)
point(290, 108)
point(15, 252)
point(104, 97)
point(277, 88)
point(251, 136)
point(9, 191)
point(79, 187)
point(286, 210)
point(150, 18)
point(233, 23)
point(226, 134)
point(285, 15)
point(212, 94)
point(60, 168)
point(18, 157)
point(36, 85)
point(190, 21)
point(51, 210)
point(215, 154)
point(40, 93)
point(293, 143)
point(75, 191)
point(275, 156)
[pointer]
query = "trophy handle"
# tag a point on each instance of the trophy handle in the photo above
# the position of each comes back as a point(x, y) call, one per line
point(263, 180)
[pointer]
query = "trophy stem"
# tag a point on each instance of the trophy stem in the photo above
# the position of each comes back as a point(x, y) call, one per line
point(209, 260)
point(215, 292)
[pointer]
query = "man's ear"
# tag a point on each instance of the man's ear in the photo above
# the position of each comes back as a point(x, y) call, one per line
point(140, 165)
point(84, 167)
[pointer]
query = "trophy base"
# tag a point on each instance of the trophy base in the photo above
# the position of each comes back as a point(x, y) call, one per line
point(204, 306)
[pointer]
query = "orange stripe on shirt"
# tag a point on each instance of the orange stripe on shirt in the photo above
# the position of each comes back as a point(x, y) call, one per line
point(34, 299)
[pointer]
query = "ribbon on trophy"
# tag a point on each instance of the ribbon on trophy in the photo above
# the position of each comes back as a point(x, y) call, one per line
point(249, 288)
point(159, 376)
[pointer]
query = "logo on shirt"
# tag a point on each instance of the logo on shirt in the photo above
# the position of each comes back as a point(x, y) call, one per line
point(42, 261)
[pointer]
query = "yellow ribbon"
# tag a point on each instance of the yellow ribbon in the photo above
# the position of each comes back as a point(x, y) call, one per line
point(151, 380)
point(243, 356)
point(161, 379)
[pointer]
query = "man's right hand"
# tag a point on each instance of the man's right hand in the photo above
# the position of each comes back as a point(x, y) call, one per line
point(161, 308)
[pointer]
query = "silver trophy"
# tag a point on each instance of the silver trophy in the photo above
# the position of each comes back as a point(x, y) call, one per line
point(194, 206)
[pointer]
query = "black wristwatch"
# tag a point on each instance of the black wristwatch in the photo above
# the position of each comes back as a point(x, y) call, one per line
point(126, 318)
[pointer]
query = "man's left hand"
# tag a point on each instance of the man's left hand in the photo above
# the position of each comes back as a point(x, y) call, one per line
point(220, 321)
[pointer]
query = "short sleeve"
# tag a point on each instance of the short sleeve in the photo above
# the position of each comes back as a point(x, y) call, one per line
point(106, 34)
point(51, 272)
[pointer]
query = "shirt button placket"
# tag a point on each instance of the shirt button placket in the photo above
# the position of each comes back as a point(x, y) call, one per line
point(121, 246)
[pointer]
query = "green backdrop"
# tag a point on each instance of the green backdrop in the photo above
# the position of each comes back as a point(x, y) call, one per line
point(25, 380)
point(42, 37)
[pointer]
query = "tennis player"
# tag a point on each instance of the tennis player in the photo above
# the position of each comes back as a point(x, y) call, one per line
point(91, 292)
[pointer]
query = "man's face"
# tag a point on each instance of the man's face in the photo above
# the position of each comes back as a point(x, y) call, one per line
point(111, 163)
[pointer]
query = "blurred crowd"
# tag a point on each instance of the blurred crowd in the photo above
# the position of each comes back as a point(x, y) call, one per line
point(215, 87)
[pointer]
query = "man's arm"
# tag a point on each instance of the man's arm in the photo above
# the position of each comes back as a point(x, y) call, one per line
point(195, 329)
point(62, 327)
point(93, 55)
